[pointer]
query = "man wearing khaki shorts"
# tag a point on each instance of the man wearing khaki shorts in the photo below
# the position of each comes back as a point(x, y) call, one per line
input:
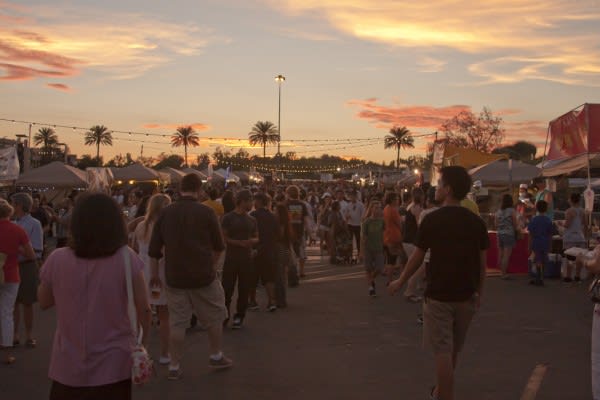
point(189, 235)
point(458, 241)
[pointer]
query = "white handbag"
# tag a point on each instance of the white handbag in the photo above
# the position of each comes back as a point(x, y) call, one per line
point(142, 368)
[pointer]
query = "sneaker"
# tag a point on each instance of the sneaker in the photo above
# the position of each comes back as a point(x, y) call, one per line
point(174, 374)
point(431, 396)
point(253, 306)
point(164, 360)
point(372, 292)
point(222, 363)
point(272, 308)
point(237, 323)
point(568, 280)
point(420, 320)
point(414, 299)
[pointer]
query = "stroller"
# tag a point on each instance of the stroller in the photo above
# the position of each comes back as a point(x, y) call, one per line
point(343, 248)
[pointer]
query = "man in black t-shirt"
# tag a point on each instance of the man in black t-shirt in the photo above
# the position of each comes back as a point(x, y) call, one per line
point(265, 262)
point(455, 274)
point(299, 221)
point(241, 235)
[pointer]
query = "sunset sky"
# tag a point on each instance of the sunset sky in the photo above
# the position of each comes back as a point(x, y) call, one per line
point(354, 68)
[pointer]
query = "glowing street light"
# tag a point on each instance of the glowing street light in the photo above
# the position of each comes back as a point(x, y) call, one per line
point(279, 79)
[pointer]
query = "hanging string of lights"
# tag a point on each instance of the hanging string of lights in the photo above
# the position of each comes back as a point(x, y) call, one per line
point(168, 135)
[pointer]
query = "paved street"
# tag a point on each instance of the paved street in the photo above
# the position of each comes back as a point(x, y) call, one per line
point(334, 342)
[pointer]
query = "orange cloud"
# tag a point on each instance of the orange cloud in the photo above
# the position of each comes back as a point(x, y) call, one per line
point(385, 117)
point(199, 127)
point(59, 86)
point(511, 40)
point(63, 41)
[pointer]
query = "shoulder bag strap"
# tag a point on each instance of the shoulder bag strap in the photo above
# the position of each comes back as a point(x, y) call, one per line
point(130, 297)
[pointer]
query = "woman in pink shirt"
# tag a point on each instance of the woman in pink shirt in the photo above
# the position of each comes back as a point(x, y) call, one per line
point(91, 354)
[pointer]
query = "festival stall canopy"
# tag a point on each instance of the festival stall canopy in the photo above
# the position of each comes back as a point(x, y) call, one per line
point(201, 174)
point(574, 141)
point(55, 174)
point(229, 176)
point(136, 172)
point(499, 172)
point(175, 174)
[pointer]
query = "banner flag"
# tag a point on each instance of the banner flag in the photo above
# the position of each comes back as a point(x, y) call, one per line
point(575, 133)
point(9, 164)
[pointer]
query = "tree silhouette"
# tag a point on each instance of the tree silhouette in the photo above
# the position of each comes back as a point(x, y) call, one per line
point(399, 138)
point(98, 135)
point(263, 133)
point(185, 136)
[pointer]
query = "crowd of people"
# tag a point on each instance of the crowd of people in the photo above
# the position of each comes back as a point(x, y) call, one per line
point(191, 248)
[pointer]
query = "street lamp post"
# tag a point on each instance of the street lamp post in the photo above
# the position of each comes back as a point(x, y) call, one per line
point(279, 79)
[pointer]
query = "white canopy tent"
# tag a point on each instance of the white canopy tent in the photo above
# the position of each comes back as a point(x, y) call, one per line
point(136, 172)
point(504, 173)
point(175, 174)
point(54, 175)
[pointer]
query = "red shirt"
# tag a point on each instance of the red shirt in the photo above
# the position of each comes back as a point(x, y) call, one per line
point(12, 236)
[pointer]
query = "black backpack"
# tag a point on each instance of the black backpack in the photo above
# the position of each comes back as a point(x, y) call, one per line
point(410, 227)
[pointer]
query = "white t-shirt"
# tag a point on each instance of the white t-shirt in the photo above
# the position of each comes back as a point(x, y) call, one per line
point(354, 213)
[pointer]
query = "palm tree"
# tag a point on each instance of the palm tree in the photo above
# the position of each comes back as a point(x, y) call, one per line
point(97, 135)
point(47, 137)
point(185, 136)
point(399, 138)
point(263, 133)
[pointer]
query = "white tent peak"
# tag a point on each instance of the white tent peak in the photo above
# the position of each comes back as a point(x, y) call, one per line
point(55, 174)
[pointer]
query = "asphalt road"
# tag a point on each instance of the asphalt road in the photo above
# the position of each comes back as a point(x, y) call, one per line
point(334, 342)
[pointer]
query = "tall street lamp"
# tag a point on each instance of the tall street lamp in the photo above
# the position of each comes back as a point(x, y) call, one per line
point(279, 79)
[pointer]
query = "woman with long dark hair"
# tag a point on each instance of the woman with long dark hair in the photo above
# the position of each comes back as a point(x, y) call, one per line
point(86, 283)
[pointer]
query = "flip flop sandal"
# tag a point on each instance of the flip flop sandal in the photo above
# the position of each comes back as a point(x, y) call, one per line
point(31, 343)
point(9, 360)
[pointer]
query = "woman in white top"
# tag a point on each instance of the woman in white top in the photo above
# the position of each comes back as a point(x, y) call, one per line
point(574, 235)
point(507, 226)
point(142, 235)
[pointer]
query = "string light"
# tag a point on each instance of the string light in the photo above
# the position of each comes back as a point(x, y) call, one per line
point(314, 145)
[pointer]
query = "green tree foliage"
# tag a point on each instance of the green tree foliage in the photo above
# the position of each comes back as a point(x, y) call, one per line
point(120, 161)
point(521, 150)
point(169, 160)
point(86, 161)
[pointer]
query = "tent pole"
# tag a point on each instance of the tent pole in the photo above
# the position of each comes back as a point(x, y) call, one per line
point(589, 173)
point(545, 148)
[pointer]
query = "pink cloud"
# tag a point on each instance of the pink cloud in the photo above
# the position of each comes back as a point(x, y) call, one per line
point(14, 72)
point(199, 127)
point(385, 117)
point(59, 86)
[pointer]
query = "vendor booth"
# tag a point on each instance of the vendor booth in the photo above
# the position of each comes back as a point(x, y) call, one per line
point(138, 173)
point(200, 174)
point(174, 174)
point(504, 173)
point(54, 175)
point(56, 180)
